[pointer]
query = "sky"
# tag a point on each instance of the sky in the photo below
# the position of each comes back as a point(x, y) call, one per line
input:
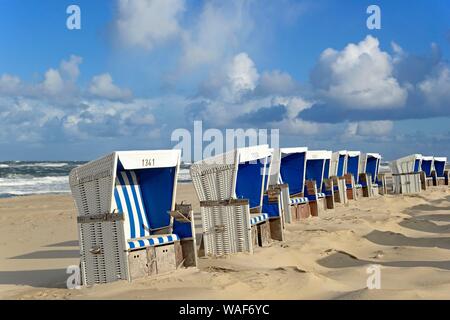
point(139, 69)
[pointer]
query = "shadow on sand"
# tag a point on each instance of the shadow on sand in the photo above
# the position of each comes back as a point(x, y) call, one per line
point(53, 278)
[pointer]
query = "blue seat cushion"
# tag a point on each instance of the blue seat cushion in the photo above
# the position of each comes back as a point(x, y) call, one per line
point(259, 218)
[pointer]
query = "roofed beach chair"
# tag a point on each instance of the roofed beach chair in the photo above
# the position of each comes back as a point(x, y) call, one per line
point(231, 189)
point(315, 166)
point(128, 222)
point(275, 186)
point(427, 168)
point(338, 168)
point(439, 174)
point(370, 163)
point(354, 188)
point(406, 174)
point(328, 186)
point(292, 174)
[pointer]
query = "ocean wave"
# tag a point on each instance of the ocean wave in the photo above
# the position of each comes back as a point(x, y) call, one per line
point(34, 185)
point(2, 165)
point(40, 164)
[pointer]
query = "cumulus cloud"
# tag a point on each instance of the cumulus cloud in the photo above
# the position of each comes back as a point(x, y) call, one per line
point(436, 88)
point(70, 68)
point(53, 83)
point(9, 84)
point(146, 23)
point(102, 86)
point(241, 77)
point(371, 128)
point(219, 30)
point(276, 82)
point(358, 77)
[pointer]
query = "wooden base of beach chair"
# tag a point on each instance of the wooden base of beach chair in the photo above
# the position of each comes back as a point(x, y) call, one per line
point(375, 191)
point(359, 193)
point(154, 260)
point(188, 250)
point(254, 234)
point(293, 211)
point(329, 202)
point(317, 207)
point(429, 182)
point(276, 228)
point(264, 234)
point(303, 211)
point(350, 194)
point(365, 192)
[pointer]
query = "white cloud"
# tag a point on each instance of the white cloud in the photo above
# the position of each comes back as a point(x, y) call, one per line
point(359, 77)
point(217, 33)
point(293, 105)
point(70, 68)
point(241, 77)
point(370, 128)
point(146, 23)
point(276, 82)
point(436, 88)
point(9, 84)
point(102, 86)
point(53, 83)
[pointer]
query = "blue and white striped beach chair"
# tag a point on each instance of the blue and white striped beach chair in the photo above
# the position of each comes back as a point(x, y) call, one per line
point(129, 224)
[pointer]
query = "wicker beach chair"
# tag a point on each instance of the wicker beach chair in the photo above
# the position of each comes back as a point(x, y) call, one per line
point(315, 172)
point(222, 180)
point(426, 165)
point(128, 222)
point(439, 174)
point(406, 174)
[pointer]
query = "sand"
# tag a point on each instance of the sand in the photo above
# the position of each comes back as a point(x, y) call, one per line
point(322, 258)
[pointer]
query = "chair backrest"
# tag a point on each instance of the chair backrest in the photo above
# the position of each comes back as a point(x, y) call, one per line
point(353, 166)
point(439, 166)
point(128, 200)
point(427, 165)
point(293, 168)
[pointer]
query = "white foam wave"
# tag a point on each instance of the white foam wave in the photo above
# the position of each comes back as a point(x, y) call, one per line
point(22, 185)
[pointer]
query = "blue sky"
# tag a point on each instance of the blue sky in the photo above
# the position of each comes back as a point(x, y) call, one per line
point(139, 69)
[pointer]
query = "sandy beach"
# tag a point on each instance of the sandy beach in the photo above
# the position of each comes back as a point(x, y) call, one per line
point(322, 258)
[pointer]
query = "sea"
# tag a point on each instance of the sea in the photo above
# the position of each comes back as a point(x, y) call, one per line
point(18, 178)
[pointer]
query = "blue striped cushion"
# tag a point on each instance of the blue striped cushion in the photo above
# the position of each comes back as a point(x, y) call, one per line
point(358, 186)
point(128, 200)
point(260, 218)
point(314, 197)
point(298, 200)
point(154, 241)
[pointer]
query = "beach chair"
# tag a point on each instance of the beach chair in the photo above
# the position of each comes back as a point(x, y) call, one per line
point(354, 169)
point(427, 168)
point(128, 222)
point(406, 174)
point(292, 177)
point(315, 167)
point(236, 175)
point(370, 164)
point(328, 186)
point(439, 174)
point(338, 168)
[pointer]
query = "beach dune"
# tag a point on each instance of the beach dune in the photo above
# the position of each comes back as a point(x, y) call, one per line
point(327, 257)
